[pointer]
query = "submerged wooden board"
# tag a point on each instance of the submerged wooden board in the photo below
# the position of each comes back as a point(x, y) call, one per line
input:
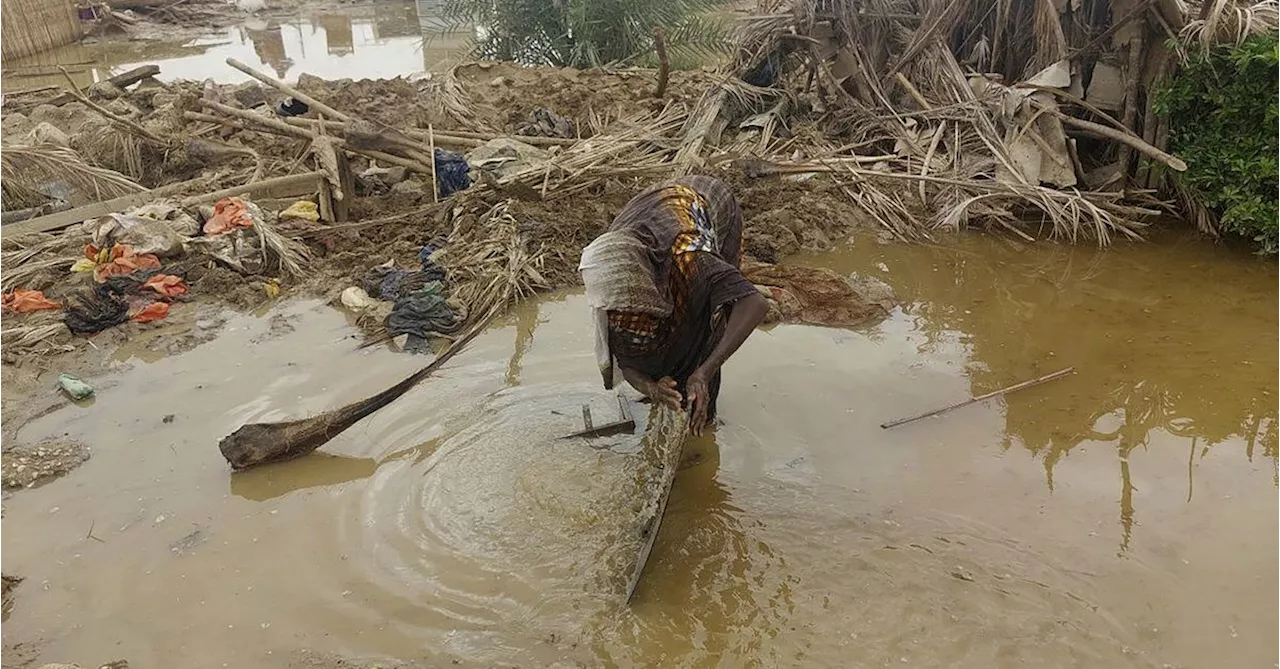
point(625, 423)
point(668, 448)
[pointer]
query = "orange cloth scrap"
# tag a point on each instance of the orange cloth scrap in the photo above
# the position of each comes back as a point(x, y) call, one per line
point(152, 312)
point(121, 260)
point(228, 215)
point(26, 301)
point(167, 285)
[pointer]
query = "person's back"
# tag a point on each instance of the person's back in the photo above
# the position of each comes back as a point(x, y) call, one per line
point(670, 303)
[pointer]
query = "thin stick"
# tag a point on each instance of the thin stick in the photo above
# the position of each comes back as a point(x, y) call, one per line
point(975, 400)
point(431, 144)
point(38, 89)
point(913, 92)
point(290, 181)
point(420, 211)
point(110, 115)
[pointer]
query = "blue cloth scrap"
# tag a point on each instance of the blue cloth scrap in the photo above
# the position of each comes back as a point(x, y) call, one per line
point(452, 172)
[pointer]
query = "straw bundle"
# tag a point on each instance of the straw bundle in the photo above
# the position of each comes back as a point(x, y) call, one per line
point(33, 26)
point(25, 169)
point(490, 264)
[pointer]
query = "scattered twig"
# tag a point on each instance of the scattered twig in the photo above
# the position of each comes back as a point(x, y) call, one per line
point(119, 120)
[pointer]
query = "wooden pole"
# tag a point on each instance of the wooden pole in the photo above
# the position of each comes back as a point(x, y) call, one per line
point(122, 80)
point(277, 183)
point(975, 400)
point(277, 126)
point(62, 219)
point(286, 88)
point(664, 63)
point(435, 185)
point(1137, 51)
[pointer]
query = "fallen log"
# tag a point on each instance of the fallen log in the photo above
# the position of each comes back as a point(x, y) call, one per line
point(1128, 139)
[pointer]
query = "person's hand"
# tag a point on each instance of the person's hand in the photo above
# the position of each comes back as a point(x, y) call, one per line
point(699, 400)
point(663, 391)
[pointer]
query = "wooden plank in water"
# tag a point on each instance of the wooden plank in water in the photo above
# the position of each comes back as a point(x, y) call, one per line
point(649, 533)
point(625, 423)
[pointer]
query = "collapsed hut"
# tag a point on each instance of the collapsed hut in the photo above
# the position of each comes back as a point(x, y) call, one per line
point(32, 26)
point(1032, 119)
point(1026, 117)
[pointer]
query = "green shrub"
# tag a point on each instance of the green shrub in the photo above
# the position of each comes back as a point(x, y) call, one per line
point(1222, 107)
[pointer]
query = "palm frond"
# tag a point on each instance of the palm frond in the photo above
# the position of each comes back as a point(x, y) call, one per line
point(26, 168)
point(1229, 22)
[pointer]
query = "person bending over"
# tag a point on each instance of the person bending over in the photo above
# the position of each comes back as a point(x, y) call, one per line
point(669, 301)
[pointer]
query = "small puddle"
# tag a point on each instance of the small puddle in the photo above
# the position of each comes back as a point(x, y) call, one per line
point(1120, 517)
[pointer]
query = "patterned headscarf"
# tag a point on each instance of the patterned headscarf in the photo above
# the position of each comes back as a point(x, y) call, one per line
point(618, 274)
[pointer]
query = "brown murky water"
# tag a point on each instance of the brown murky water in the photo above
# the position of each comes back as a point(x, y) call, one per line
point(1123, 517)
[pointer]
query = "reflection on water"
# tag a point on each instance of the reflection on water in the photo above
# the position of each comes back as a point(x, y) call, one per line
point(1168, 338)
point(311, 471)
point(379, 40)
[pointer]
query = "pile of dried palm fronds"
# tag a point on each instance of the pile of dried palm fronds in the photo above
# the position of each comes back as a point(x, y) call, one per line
point(30, 171)
point(1025, 115)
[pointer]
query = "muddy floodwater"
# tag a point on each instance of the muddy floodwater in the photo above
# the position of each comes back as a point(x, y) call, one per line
point(368, 40)
point(1122, 517)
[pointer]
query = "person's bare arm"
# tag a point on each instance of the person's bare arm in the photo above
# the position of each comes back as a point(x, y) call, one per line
point(744, 316)
point(662, 391)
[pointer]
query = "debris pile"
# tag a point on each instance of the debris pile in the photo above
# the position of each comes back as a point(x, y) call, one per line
point(1026, 117)
point(442, 199)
